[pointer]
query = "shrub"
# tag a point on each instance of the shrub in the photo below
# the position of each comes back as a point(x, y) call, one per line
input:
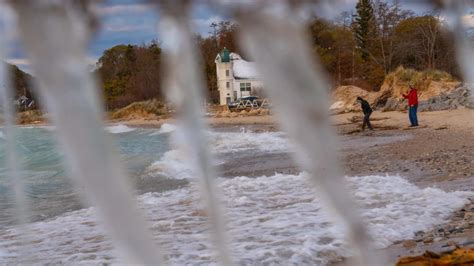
point(420, 79)
point(146, 109)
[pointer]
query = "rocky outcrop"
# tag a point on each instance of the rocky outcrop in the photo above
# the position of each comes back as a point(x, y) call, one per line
point(436, 97)
point(390, 98)
point(460, 97)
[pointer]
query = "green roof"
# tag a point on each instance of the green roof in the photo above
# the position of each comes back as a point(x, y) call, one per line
point(225, 55)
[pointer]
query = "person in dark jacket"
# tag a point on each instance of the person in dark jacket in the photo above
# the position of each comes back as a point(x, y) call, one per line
point(367, 110)
point(412, 97)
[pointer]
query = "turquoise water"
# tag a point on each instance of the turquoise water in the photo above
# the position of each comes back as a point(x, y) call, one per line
point(48, 187)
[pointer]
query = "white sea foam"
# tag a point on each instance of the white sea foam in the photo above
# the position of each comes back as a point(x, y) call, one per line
point(45, 127)
point(274, 220)
point(225, 142)
point(164, 128)
point(167, 128)
point(120, 128)
point(172, 164)
point(228, 142)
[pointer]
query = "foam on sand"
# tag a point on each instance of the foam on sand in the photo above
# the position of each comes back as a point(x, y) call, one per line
point(120, 128)
point(276, 220)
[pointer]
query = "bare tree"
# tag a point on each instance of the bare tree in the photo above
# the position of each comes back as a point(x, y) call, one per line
point(429, 31)
point(387, 17)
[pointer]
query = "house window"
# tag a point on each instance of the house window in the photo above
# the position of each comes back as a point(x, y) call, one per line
point(245, 86)
point(227, 73)
point(227, 84)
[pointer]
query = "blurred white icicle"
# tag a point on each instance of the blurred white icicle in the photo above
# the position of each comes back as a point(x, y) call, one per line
point(300, 96)
point(9, 130)
point(55, 35)
point(184, 86)
point(465, 52)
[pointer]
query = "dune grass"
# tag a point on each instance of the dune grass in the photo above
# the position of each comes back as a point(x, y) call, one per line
point(419, 79)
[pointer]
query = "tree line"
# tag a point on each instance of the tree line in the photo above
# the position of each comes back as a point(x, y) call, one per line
point(131, 73)
point(358, 48)
point(362, 48)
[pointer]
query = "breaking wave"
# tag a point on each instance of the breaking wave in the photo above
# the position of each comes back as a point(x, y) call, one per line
point(272, 220)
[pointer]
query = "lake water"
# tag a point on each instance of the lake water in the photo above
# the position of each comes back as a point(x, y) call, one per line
point(48, 188)
point(277, 219)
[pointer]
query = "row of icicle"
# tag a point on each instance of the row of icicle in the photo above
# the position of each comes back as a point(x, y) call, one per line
point(55, 35)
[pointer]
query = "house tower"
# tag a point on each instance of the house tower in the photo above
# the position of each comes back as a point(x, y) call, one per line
point(225, 77)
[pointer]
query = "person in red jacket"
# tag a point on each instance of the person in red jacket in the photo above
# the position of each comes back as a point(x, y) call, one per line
point(412, 97)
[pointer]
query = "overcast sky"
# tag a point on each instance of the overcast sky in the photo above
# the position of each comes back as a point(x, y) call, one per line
point(134, 22)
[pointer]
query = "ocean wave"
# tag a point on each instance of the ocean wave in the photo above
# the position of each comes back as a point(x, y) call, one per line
point(226, 142)
point(173, 164)
point(167, 128)
point(271, 220)
point(164, 129)
point(120, 128)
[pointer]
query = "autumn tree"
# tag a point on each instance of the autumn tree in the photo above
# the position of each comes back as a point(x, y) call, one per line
point(333, 46)
point(130, 73)
point(422, 44)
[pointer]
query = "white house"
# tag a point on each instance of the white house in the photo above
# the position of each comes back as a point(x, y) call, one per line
point(236, 78)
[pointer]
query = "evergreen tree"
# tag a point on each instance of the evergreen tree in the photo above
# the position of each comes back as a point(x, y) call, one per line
point(365, 26)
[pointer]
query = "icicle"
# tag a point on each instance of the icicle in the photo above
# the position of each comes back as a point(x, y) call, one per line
point(11, 155)
point(300, 97)
point(55, 35)
point(465, 52)
point(185, 85)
